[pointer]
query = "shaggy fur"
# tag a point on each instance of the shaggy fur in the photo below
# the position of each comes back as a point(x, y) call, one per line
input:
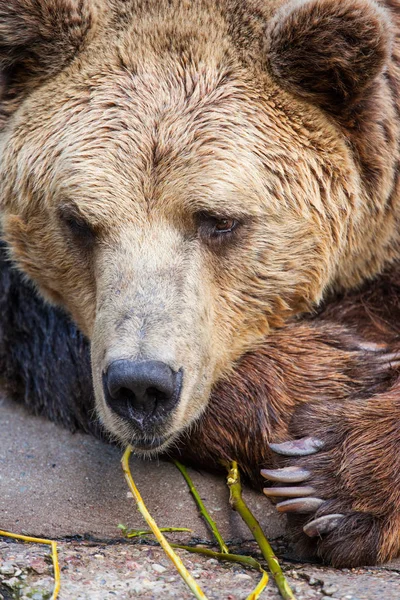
point(328, 376)
point(131, 130)
point(157, 119)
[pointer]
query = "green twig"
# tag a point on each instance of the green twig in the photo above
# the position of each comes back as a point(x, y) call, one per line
point(247, 561)
point(132, 533)
point(240, 506)
point(224, 554)
point(180, 567)
point(203, 511)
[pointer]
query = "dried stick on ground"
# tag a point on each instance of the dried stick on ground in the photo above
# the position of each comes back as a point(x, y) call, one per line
point(240, 506)
point(180, 567)
point(224, 554)
point(54, 556)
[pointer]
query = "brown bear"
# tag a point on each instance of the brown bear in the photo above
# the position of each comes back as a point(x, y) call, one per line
point(187, 177)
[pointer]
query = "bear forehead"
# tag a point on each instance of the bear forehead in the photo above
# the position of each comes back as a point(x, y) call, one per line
point(176, 66)
point(120, 135)
point(143, 119)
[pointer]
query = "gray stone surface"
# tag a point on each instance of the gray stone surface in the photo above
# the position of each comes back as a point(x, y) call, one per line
point(130, 571)
point(56, 484)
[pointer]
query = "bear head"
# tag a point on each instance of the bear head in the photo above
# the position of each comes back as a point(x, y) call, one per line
point(183, 176)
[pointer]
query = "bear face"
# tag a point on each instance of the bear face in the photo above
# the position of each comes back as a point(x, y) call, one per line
point(170, 180)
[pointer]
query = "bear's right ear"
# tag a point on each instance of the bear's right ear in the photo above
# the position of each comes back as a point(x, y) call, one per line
point(38, 38)
point(329, 51)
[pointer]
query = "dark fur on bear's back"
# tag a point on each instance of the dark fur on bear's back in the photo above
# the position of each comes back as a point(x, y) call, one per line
point(326, 376)
point(44, 360)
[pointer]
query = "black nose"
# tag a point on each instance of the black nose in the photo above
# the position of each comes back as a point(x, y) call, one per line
point(141, 390)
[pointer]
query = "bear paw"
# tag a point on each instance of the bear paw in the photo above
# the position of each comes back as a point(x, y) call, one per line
point(335, 484)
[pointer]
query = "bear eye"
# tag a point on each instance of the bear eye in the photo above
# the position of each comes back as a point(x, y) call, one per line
point(212, 226)
point(76, 225)
point(225, 225)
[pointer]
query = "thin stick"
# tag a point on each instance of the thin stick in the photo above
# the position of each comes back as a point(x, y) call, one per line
point(54, 556)
point(240, 506)
point(260, 587)
point(224, 554)
point(203, 511)
point(132, 533)
point(183, 572)
point(247, 561)
point(56, 568)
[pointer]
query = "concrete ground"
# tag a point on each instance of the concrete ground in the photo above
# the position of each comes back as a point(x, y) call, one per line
point(71, 488)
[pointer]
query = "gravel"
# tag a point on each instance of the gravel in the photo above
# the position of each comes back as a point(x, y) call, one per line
point(126, 571)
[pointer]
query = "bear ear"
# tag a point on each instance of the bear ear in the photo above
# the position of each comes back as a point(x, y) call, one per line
point(39, 37)
point(329, 51)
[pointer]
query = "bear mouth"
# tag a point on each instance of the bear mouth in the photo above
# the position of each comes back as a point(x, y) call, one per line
point(155, 443)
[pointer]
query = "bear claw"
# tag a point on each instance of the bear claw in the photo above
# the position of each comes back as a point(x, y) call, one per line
point(300, 505)
point(286, 474)
point(290, 492)
point(322, 525)
point(301, 447)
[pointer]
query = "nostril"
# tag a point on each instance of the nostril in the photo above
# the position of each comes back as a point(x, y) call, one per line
point(124, 394)
point(157, 394)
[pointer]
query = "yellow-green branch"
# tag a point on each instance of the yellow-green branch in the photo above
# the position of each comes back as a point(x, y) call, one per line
point(132, 533)
point(224, 554)
point(54, 555)
point(180, 567)
point(247, 561)
point(240, 506)
point(203, 511)
point(260, 587)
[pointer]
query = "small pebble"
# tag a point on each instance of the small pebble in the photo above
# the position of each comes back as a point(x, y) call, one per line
point(197, 574)
point(7, 569)
point(329, 589)
point(243, 576)
point(312, 581)
point(158, 568)
point(12, 583)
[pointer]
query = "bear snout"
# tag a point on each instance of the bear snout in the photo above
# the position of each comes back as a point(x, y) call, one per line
point(144, 392)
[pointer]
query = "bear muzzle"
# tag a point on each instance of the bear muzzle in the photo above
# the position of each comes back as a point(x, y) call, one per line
point(143, 393)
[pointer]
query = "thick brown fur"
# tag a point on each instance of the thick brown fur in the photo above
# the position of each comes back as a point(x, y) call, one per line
point(153, 120)
point(131, 130)
point(330, 375)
